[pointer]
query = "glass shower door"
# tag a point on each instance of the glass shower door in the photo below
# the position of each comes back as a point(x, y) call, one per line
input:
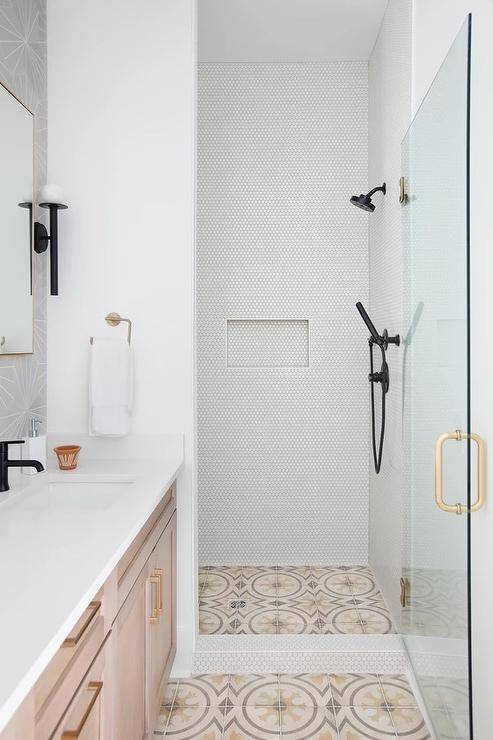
point(439, 453)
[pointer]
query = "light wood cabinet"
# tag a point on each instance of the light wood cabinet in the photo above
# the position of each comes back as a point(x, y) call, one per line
point(161, 622)
point(129, 665)
point(83, 718)
point(106, 680)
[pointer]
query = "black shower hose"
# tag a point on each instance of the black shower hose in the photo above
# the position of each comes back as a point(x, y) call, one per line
point(384, 382)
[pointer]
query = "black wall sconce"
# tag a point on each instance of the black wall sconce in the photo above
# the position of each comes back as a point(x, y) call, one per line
point(41, 236)
point(41, 239)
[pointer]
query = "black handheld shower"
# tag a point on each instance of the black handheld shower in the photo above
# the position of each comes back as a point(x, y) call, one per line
point(371, 328)
point(382, 377)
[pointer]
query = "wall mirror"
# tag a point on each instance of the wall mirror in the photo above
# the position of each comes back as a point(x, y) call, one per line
point(16, 199)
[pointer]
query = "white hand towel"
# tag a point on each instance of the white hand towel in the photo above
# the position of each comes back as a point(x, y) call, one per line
point(110, 387)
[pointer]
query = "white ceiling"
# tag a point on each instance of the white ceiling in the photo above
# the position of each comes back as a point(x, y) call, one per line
point(288, 30)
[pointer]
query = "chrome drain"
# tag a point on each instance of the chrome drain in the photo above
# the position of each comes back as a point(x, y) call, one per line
point(237, 604)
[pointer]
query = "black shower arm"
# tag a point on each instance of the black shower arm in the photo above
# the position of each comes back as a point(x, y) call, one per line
point(379, 189)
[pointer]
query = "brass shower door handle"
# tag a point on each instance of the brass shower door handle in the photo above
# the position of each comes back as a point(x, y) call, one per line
point(459, 436)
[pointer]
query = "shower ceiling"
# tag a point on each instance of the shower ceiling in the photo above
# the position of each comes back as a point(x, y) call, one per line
point(288, 30)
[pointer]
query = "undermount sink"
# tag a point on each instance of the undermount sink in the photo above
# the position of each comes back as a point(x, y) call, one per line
point(84, 494)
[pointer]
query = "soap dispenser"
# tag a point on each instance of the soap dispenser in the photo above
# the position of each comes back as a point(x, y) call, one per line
point(35, 447)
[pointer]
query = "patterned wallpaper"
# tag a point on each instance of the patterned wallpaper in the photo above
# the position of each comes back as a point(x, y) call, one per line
point(282, 445)
point(23, 70)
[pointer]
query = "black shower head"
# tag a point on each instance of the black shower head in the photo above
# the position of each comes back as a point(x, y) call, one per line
point(364, 201)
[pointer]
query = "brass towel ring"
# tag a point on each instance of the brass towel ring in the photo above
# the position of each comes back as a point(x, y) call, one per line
point(114, 319)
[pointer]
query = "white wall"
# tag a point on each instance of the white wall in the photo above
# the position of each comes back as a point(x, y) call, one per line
point(235, 31)
point(282, 450)
point(433, 32)
point(121, 145)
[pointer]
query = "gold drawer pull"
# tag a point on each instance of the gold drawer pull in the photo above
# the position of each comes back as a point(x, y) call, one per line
point(92, 610)
point(154, 580)
point(157, 579)
point(95, 687)
point(459, 436)
point(159, 572)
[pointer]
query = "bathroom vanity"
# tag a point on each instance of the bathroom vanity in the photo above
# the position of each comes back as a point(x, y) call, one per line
point(93, 623)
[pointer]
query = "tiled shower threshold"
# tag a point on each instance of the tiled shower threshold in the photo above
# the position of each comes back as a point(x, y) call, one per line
point(294, 619)
point(300, 653)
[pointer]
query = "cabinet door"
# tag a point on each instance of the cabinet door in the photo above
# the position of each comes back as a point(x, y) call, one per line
point(129, 664)
point(161, 629)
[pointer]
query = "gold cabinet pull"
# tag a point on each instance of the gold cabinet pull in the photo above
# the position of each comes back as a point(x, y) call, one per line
point(159, 573)
point(157, 608)
point(92, 610)
point(95, 687)
point(459, 436)
point(154, 580)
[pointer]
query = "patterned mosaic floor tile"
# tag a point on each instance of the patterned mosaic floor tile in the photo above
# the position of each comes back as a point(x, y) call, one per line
point(216, 617)
point(308, 722)
point(260, 620)
point(291, 600)
point(375, 622)
point(305, 689)
point(210, 690)
point(254, 689)
point(321, 571)
point(357, 690)
point(297, 622)
point(301, 707)
point(362, 723)
point(327, 604)
point(305, 571)
point(335, 584)
point(305, 604)
point(409, 723)
point(220, 583)
point(339, 628)
point(185, 723)
point(292, 585)
point(247, 722)
point(397, 691)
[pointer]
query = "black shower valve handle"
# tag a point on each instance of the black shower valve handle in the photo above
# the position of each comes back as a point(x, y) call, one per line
point(395, 339)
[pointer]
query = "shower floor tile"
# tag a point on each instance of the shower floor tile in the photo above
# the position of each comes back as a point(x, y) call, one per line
point(279, 600)
point(302, 707)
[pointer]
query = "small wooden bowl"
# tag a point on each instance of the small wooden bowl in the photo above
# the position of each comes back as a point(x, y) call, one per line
point(67, 456)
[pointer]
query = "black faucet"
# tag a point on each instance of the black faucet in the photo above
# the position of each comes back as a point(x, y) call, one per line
point(5, 463)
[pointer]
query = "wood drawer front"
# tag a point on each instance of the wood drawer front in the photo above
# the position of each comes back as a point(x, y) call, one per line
point(139, 551)
point(58, 684)
point(83, 717)
point(80, 646)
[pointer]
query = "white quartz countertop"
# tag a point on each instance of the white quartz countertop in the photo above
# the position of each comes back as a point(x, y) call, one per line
point(56, 555)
